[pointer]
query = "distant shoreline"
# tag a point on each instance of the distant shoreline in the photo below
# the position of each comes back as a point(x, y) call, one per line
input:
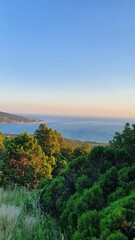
point(14, 122)
point(8, 118)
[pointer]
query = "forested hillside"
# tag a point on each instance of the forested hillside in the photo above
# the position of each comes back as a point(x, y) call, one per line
point(90, 193)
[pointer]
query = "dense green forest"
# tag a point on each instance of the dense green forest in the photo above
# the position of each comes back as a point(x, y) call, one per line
point(88, 192)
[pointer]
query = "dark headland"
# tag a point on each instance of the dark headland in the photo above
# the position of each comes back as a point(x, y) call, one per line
point(12, 118)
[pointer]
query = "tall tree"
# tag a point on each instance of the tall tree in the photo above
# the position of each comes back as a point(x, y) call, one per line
point(48, 140)
point(27, 164)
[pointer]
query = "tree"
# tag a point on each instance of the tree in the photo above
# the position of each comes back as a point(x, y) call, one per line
point(51, 143)
point(26, 162)
point(48, 140)
point(88, 226)
point(117, 236)
point(124, 143)
point(82, 183)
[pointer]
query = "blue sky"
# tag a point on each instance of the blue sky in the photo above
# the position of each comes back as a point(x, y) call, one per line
point(68, 57)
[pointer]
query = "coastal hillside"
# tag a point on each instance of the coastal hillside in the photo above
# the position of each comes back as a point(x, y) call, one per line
point(59, 192)
point(11, 118)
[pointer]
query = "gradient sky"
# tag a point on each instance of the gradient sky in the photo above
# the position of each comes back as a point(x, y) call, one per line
point(68, 57)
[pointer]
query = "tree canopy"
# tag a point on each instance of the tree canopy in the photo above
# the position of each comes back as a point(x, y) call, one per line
point(90, 193)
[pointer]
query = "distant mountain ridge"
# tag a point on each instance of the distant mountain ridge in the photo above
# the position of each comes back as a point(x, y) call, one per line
point(12, 118)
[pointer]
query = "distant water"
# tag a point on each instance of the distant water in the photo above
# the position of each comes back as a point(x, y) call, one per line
point(80, 128)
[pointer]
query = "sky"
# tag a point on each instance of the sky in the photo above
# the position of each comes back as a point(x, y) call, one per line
point(68, 57)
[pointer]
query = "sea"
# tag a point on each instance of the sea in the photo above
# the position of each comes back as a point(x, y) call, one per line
point(94, 129)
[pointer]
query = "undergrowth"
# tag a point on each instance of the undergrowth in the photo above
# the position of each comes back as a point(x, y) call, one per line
point(21, 217)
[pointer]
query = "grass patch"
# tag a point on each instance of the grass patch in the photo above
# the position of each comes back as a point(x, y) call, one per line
point(21, 218)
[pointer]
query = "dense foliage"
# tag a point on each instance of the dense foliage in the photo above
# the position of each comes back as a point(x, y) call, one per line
point(90, 193)
point(94, 197)
point(25, 161)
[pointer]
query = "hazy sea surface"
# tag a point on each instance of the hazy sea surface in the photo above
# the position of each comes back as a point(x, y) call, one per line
point(72, 127)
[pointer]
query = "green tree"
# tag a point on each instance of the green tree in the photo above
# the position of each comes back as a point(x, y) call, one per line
point(25, 161)
point(82, 183)
point(124, 143)
point(88, 226)
point(117, 236)
point(48, 140)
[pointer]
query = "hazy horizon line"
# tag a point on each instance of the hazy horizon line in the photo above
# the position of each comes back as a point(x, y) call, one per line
point(74, 115)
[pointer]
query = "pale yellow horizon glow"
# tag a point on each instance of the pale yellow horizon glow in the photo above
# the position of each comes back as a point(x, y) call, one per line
point(103, 104)
point(99, 111)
